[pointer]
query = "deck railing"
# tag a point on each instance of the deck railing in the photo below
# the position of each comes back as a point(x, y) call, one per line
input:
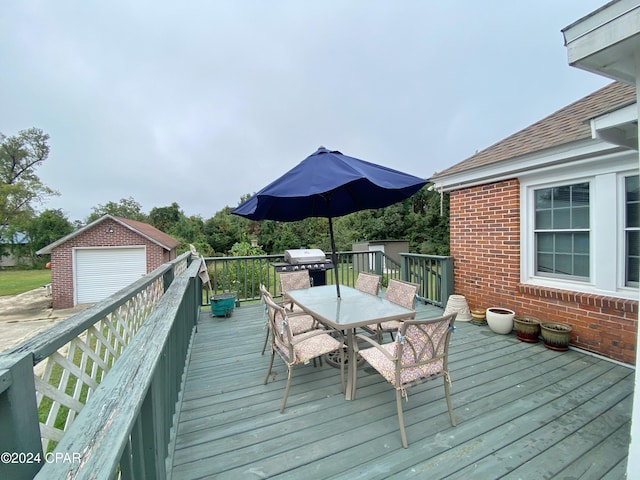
point(95, 395)
point(96, 392)
point(242, 276)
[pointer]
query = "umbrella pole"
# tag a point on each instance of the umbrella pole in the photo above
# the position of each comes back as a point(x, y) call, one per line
point(334, 256)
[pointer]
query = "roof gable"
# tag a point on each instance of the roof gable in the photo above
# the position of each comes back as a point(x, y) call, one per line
point(150, 232)
point(567, 125)
point(144, 229)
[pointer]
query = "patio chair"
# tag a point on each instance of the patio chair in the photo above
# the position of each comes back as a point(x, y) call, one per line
point(299, 322)
point(400, 292)
point(368, 283)
point(420, 353)
point(293, 281)
point(301, 348)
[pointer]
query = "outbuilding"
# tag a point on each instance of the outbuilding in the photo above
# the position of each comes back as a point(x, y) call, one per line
point(104, 256)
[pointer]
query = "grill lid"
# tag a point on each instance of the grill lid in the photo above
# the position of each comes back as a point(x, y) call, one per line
point(304, 255)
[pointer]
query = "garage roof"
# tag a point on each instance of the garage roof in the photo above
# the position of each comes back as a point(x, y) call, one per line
point(144, 229)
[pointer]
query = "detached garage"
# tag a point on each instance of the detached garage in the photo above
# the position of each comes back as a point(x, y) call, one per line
point(103, 257)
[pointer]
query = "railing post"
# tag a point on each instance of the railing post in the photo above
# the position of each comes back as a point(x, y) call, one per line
point(378, 262)
point(19, 431)
point(167, 278)
point(447, 279)
point(404, 267)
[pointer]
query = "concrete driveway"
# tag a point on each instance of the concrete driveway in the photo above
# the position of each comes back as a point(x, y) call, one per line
point(24, 315)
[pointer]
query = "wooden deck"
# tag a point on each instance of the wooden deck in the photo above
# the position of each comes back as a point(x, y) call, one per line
point(523, 411)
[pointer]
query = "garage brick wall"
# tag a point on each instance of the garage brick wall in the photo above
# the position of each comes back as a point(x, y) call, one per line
point(98, 236)
point(485, 244)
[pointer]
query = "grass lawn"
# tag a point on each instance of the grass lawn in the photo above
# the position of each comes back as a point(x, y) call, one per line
point(13, 282)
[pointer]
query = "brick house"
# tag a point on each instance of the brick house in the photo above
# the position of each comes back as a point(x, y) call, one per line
point(104, 256)
point(545, 222)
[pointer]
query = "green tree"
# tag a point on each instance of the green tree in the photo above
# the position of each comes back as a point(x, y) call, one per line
point(165, 218)
point(190, 230)
point(223, 230)
point(428, 232)
point(125, 208)
point(46, 228)
point(20, 187)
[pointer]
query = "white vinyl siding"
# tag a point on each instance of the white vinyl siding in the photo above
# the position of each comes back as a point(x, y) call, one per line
point(101, 272)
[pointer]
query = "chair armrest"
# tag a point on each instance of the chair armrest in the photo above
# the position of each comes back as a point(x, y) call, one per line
point(366, 339)
point(375, 344)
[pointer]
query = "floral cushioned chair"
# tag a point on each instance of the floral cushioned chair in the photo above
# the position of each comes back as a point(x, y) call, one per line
point(420, 353)
point(293, 281)
point(368, 283)
point(298, 322)
point(301, 348)
point(399, 292)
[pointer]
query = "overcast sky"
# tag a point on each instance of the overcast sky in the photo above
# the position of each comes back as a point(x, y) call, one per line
point(200, 102)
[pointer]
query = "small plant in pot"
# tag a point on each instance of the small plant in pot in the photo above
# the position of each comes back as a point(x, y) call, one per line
point(527, 328)
point(555, 335)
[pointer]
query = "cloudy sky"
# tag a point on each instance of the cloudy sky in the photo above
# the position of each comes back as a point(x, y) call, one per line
point(200, 102)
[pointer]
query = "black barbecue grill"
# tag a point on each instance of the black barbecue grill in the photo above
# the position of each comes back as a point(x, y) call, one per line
point(311, 259)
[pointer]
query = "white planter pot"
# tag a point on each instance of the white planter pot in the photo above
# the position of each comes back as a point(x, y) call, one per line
point(500, 320)
point(458, 304)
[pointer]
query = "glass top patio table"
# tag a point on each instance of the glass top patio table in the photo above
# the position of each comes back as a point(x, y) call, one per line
point(353, 309)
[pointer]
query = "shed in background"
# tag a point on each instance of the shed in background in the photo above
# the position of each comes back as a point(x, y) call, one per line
point(391, 248)
point(103, 257)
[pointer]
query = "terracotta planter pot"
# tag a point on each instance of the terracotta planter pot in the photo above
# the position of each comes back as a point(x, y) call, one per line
point(500, 320)
point(555, 336)
point(527, 328)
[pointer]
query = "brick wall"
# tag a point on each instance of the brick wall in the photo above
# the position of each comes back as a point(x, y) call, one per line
point(98, 236)
point(485, 244)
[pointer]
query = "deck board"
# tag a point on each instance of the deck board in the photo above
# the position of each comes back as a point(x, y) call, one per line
point(522, 411)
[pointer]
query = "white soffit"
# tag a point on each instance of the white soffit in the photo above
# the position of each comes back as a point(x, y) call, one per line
point(606, 41)
point(619, 127)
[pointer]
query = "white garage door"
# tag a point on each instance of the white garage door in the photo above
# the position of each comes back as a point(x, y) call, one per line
point(100, 272)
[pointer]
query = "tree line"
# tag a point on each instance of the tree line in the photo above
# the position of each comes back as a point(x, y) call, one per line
point(423, 219)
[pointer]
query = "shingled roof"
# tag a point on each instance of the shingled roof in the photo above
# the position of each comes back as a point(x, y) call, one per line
point(151, 232)
point(148, 231)
point(567, 125)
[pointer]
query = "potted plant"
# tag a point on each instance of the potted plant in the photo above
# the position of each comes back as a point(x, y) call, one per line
point(527, 328)
point(555, 335)
point(479, 316)
point(500, 320)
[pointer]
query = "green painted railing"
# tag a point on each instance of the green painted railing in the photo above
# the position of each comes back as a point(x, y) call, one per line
point(94, 396)
point(242, 276)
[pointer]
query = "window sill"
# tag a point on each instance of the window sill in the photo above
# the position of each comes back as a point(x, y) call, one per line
point(627, 305)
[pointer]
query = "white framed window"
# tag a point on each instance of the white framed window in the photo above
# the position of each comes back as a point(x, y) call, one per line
point(631, 230)
point(561, 231)
point(580, 227)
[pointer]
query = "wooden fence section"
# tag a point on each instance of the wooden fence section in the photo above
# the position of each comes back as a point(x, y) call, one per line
point(47, 381)
point(126, 427)
point(242, 276)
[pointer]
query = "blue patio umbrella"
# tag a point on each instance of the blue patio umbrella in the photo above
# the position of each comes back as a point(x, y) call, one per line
point(329, 184)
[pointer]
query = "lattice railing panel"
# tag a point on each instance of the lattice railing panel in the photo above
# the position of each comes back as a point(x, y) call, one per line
point(180, 268)
point(66, 379)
